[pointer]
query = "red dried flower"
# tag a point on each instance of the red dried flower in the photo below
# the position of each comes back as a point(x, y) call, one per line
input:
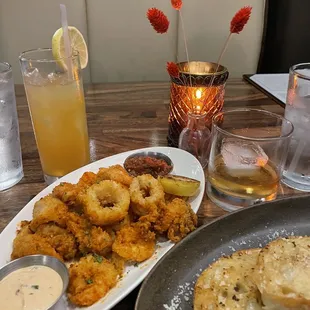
point(173, 69)
point(240, 19)
point(158, 20)
point(177, 4)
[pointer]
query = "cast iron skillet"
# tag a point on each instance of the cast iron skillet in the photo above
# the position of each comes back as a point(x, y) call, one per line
point(170, 285)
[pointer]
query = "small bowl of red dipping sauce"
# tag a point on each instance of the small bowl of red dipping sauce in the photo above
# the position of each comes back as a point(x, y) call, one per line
point(153, 163)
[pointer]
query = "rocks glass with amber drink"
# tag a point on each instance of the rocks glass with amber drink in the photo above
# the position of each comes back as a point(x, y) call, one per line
point(56, 102)
point(248, 151)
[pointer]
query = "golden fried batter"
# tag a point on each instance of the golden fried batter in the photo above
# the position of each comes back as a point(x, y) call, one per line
point(27, 243)
point(60, 239)
point(135, 242)
point(129, 218)
point(177, 218)
point(146, 193)
point(90, 238)
point(118, 262)
point(87, 180)
point(90, 279)
point(105, 203)
point(49, 210)
point(68, 193)
point(115, 173)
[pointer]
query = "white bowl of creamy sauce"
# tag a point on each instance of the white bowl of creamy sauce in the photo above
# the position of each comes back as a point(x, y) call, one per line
point(33, 282)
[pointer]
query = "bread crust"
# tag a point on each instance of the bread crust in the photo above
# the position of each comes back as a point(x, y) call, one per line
point(282, 274)
point(227, 283)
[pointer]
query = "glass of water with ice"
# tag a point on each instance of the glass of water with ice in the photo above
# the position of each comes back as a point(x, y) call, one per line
point(296, 172)
point(11, 168)
point(248, 151)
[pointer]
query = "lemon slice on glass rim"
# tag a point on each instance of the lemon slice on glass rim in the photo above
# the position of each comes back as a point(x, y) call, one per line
point(78, 44)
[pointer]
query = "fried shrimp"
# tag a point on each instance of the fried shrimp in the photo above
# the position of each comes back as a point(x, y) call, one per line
point(146, 193)
point(177, 219)
point(59, 238)
point(49, 210)
point(90, 238)
point(26, 243)
point(90, 279)
point(135, 242)
point(115, 173)
point(105, 203)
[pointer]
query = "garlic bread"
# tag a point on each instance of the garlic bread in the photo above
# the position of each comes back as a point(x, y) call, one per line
point(227, 283)
point(282, 274)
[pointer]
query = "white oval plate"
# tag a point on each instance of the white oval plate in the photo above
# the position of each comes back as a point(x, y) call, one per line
point(185, 164)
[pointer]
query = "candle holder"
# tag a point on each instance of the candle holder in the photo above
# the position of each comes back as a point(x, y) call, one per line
point(191, 93)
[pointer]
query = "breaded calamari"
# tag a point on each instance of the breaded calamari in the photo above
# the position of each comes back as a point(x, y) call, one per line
point(59, 238)
point(115, 173)
point(49, 210)
point(90, 279)
point(146, 193)
point(177, 219)
point(105, 203)
point(26, 243)
point(68, 193)
point(135, 242)
point(90, 238)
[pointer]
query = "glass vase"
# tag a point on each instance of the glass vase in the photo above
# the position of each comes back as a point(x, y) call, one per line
point(192, 92)
point(195, 137)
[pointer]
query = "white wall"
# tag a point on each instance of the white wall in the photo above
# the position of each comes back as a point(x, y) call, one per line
point(207, 25)
point(29, 24)
point(122, 44)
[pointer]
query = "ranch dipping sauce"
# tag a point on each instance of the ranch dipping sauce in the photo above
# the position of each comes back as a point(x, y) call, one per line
point(30, 288)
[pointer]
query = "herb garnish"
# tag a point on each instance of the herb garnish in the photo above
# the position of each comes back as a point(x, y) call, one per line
point(36, 287)
point(98, 258)
point(89, 281)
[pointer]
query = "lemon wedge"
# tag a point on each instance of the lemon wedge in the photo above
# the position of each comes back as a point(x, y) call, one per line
point(178, 185)
point(78, 44)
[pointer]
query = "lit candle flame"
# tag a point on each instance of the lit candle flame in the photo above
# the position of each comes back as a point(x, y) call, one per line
point(198, 94)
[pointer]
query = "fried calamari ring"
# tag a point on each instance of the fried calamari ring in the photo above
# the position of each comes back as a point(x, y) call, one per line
point(90, 279)
point(177, 219)
point(105, 203)
point(135, 242)
point(49, 210)
point(89, 237)
point(146, 193)
point(115, 173)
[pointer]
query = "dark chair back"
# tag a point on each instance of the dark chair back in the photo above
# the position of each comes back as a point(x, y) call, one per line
point(286, 38)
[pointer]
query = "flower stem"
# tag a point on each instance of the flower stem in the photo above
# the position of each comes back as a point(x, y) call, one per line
point(218, 64)
point(187, 55)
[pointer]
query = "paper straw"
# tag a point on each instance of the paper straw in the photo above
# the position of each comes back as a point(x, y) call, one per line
point(68, 50)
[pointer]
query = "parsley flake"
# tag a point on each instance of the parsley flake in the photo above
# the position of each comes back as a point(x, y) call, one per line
point(98, 258)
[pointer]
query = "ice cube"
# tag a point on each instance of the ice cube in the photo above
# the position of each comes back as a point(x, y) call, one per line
point(242, 157)
point(32, 76)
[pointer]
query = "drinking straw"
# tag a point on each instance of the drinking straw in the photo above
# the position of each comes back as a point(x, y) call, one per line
point(68, 50)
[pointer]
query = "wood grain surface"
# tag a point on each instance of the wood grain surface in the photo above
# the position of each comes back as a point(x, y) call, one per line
point(121, 117)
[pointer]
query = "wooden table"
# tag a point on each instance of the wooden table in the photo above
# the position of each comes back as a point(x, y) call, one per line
point(121, 117)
